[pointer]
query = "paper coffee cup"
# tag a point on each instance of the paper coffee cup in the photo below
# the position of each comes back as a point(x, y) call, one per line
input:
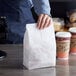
point(63, 44)
point(73, 40)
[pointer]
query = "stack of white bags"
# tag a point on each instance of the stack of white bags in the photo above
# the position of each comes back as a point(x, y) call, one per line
point(39, 47)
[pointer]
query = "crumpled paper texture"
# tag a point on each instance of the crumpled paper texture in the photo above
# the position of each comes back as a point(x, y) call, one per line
point(39, 47)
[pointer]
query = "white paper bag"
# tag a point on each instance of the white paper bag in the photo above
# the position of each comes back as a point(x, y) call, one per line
point(39, 48)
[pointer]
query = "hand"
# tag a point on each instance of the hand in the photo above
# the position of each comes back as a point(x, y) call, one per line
point(43, 21)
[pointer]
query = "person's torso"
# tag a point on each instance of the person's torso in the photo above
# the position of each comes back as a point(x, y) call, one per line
point(18, 14)
point(16, 9)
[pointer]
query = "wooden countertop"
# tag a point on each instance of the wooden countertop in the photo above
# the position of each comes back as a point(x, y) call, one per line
point(12, 64)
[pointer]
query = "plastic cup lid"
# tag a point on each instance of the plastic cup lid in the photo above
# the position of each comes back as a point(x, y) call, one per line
point(73, 29)
point(63, 34)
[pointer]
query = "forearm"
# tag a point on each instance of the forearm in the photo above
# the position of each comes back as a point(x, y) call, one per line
point(41, 6)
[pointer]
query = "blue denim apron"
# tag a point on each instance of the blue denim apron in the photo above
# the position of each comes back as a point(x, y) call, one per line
point(18, 14)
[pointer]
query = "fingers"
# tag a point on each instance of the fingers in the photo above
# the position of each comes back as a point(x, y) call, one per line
point(47, 22)
point(40, 21)
point(43, 21)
